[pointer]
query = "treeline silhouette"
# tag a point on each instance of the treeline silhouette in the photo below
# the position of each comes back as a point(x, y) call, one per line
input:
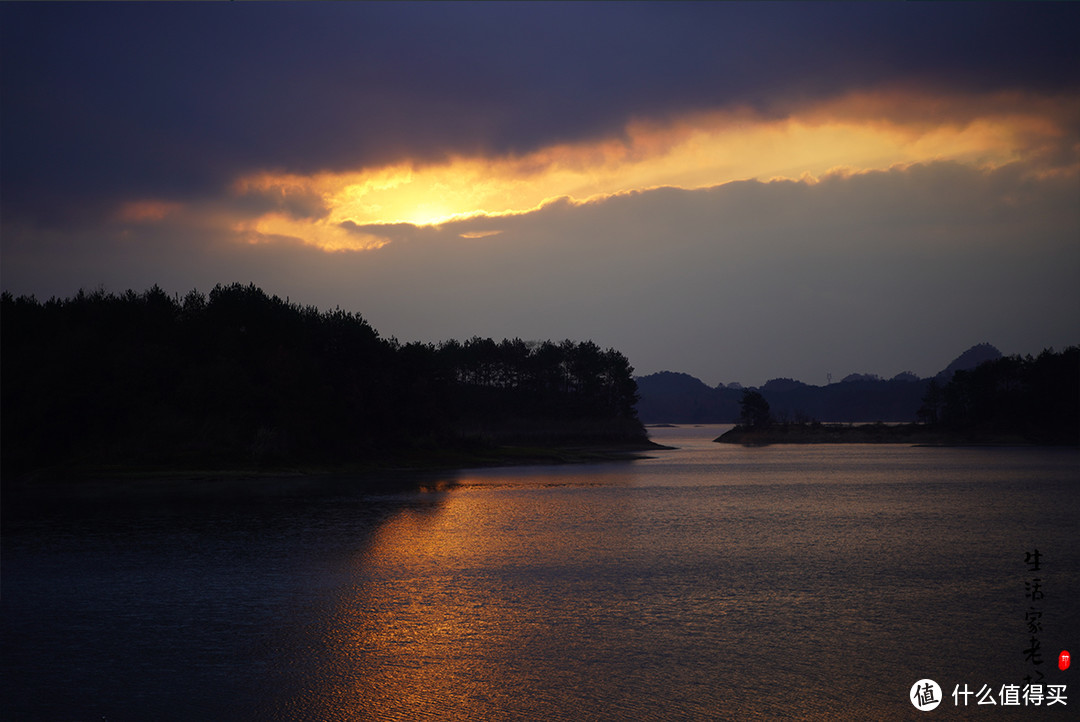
point(1036, 399)
point(1007, 400)
point(236, 377)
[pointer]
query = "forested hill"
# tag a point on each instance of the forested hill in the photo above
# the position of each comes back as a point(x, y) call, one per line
point(237, 377)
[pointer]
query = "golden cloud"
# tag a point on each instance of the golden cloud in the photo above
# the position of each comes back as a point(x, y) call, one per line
point(855, 133)
point(327, 236)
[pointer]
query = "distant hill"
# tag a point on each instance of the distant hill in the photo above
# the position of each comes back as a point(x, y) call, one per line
point(968, 360)
point(678, 398)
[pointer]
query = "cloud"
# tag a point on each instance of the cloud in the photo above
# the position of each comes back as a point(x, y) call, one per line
point(105, 102)
point(733, 190)
point(263, 194)
point(856, 132)
point(854, 273)
point(878, 271)
point(478, 234)
point(147, 211)
point(365, 209)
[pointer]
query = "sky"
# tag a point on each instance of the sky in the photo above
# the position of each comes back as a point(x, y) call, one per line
point(735, 191)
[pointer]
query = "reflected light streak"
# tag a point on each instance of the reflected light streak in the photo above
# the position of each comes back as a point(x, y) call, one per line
point(853, 134)
point(454, 607)
point(428, 643)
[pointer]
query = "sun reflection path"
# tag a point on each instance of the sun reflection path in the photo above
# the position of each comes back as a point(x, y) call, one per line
point(460, 611)
point(422, 639)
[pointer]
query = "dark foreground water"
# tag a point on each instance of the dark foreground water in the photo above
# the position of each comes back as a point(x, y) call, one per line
point(711, 582)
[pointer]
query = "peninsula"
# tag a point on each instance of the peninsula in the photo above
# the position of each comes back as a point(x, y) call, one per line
point(239, 381)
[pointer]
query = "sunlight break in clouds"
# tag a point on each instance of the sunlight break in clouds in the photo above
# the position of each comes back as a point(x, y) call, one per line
point(342, 211)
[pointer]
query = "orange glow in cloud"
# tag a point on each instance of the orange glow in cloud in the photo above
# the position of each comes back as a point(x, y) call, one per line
point(147, 211)
point(327, 236)
point(853, 134)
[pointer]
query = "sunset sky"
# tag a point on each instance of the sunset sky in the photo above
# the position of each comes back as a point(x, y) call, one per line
point(736, 191)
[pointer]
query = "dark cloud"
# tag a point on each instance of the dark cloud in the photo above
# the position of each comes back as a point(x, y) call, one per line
point(176, 99)
point(293, 202)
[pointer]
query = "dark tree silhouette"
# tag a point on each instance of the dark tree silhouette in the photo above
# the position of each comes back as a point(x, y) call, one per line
point(932, 401)
point(755, 410)
point(237, 376)
point(1036, 399)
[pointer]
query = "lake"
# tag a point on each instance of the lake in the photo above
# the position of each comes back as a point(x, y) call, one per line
point(707, 582)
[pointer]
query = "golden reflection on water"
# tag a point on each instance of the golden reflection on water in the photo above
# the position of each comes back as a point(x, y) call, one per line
point(469, 609)
point(420, 646)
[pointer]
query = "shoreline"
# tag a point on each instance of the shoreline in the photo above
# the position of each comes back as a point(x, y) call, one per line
point(880, 433)
point(81, 482)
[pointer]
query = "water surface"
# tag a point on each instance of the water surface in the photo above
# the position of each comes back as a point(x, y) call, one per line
point(708, 582)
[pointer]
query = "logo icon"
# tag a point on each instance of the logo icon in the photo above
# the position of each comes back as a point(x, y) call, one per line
point(1064, 660)
point(925, 695)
